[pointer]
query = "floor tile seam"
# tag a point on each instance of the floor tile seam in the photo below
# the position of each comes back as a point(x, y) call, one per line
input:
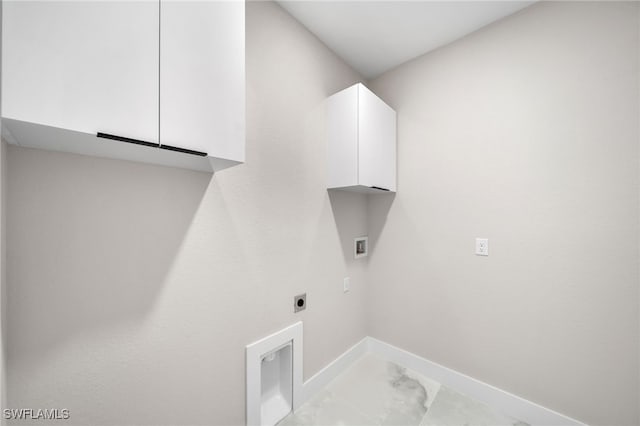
point(431, 405)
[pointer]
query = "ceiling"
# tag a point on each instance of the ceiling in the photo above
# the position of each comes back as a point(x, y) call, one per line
point(376, 36)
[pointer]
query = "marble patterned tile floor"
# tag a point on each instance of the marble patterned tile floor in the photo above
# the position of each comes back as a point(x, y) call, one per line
point(377, 392)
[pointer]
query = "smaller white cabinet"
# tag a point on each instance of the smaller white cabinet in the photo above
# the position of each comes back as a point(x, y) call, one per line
point(361, 142)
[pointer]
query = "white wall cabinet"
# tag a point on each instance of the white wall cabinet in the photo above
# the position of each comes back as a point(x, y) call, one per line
point(361, 141)
point(202, 77)
point(84, 66)
point(160, 74)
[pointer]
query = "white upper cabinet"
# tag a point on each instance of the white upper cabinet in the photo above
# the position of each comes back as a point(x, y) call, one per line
point(361, 141)
point(202, 77)
point(86, 66)
point(162, 81)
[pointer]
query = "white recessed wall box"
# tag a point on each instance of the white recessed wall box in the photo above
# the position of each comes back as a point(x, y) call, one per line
point(158, 82)
point(274, 376)
point(361, 142)
point(360, 247)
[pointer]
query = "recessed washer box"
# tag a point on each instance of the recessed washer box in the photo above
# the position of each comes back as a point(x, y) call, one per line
point(274, 376)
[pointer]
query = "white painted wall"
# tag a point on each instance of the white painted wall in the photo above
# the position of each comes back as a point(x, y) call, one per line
point(3, 253)
point(525, 133)
point(134, 289)
point(3, 277)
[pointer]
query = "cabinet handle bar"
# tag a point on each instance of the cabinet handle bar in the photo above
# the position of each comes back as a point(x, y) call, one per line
point(128, 140)
point(183, 150)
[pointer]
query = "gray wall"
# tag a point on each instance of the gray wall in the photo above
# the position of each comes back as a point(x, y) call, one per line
point(525, 133)
point(134, 289)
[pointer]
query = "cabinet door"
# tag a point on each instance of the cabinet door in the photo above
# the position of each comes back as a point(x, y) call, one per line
point(90, 66)
point(202, 77)
point(342, 138)
point(377, 142)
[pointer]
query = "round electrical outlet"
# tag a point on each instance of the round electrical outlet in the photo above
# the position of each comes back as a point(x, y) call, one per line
point(300, 302)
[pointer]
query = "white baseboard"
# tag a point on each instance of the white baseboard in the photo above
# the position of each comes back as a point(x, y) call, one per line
point(502, 401)
point(318, 381)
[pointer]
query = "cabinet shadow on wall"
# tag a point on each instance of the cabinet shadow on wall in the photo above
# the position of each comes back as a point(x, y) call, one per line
point(378, 207)
point(357, 215)
point(91, 241)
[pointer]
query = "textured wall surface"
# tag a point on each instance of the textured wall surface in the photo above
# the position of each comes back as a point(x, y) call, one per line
point(134, 289)
point(3, 255)
point(3, 277)
point(525, 133)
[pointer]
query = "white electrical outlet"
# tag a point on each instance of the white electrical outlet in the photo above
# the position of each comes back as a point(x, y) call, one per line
point(482, 246)
point(346, 284)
